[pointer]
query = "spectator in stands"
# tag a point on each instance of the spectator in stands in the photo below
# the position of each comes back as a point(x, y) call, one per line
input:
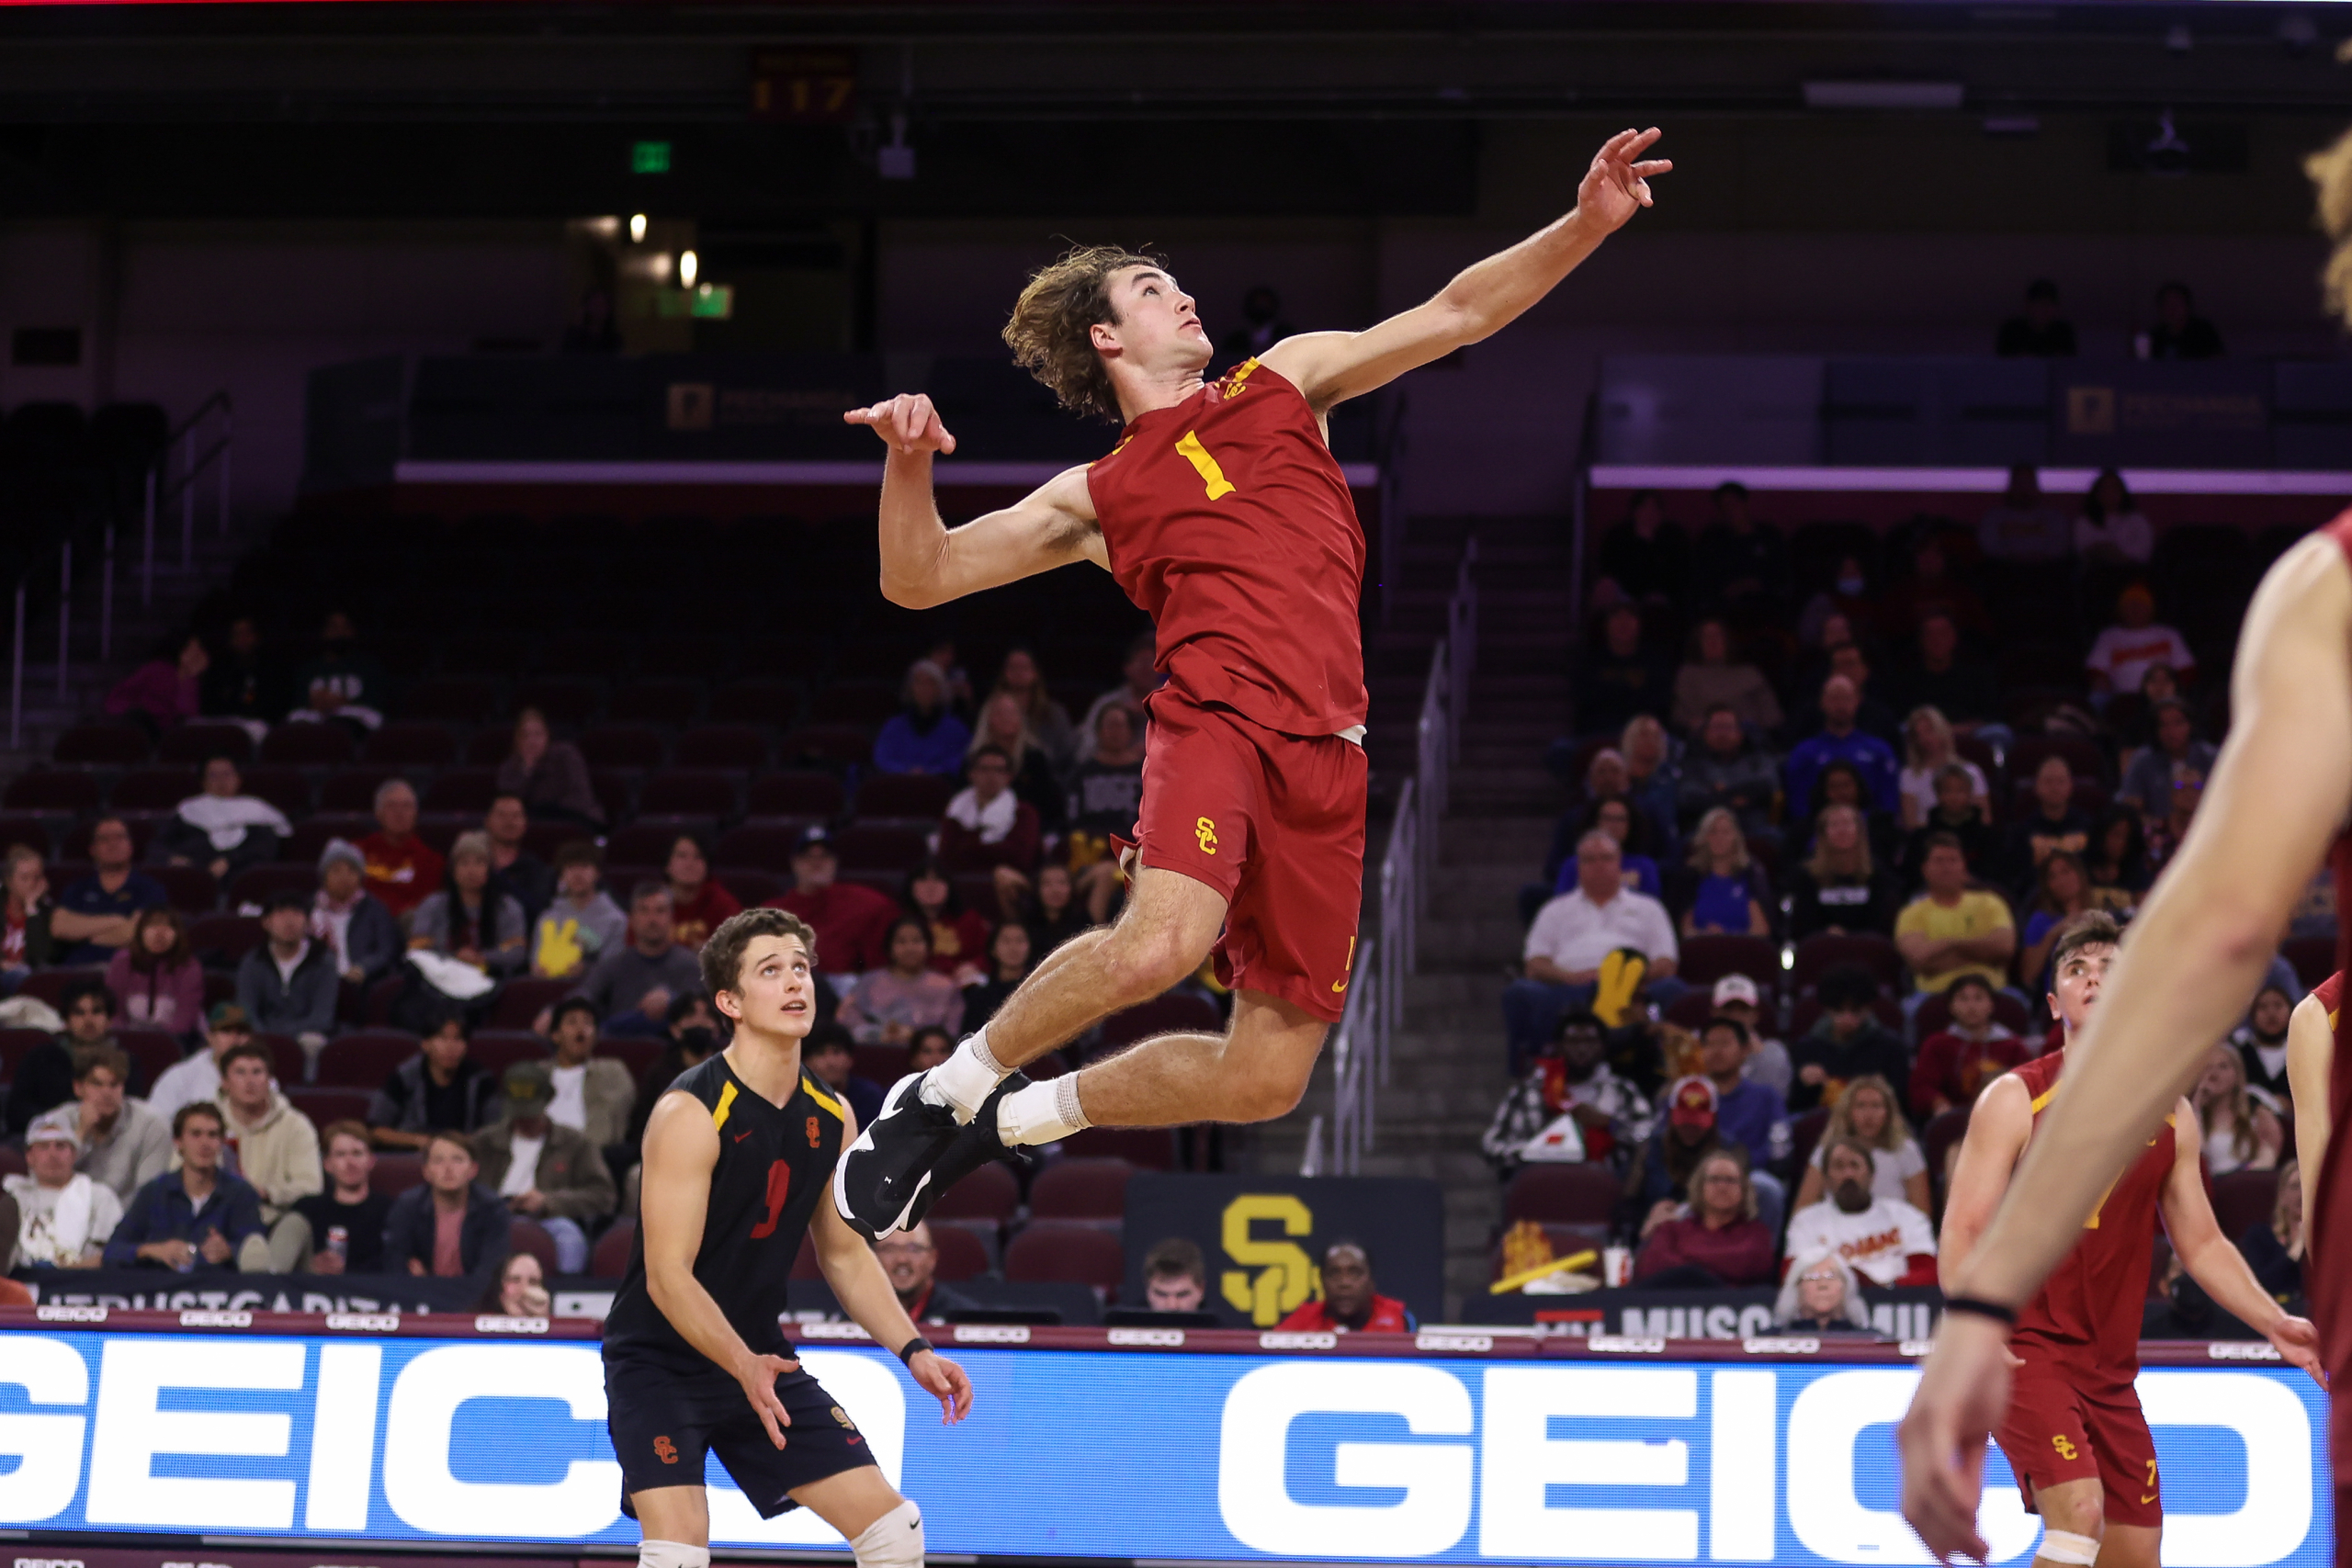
point(520, 1290)
point(690, 1047)
point(339, 1230)
point(594, 1095)
point(64, 1218)
point(1352, 1302)
point(1971, 1050)
point(522, 874)
point(1651, 778)
point(1621, 677)
point(2062, 889)
point(343, 684)
point(1682, 1133)
point(1722, 891)
point(471, 917)
point(1614, 816)
point(95, 913)
point(2121, 655)
point(1956, 812)
point(912, 1260)
point(441, 1088)
point(959, 937)
point(1846, 1044)
point(1047, 721)
point(2274, 1249)
point(288, 985)
point(544, 1170)
point(45, 1077)
point(988, 828)
point(453, 1226)
point(887, 1006)
point(2053, 823)
point(2176, 759)
point(277, 1146)
point(1737, 996)
point(1105, 792)
point(1931, 589)
point(239, 685)
point(402, 868)
point(1929, 747)
point(930, 1047)
point(198, 1218)
point(1569, 1079)
point(2166, 833)
point(581, 923)
point(350, 922)
point(2242, 1131)
point(1141, 678)
point(1945, 678)
point(1747, 1113)
point(1646, 557)
point(925, 736)
point(851, 921)
point(1869, 1113)
point(1841, 740)
point(699, 902)
point(2022, 526)
point(1723, 769)
point(2261, 1045)
point(2040, 332)
point(222, 830)
point(1888, 1241)
point(1576, 952)
point(1717, 1243)
point(831, 1056)
point(25, 941)
point(1849, 600)
point(1840, 783)
point(156, 976)
point(1820, 1297)
point(2179, 332)
point(1175, 1277)
point(1871, 715)
point(1028, 770)
point(165, 691)
point(2111, 529)
point(1055, 914)
point(1713, 676)
point(549, 776)
point(2117, 857)
point(1010, 961)
point(197, 1077)
point(121, 1143)
point(1951, 928)
point(1739, 564)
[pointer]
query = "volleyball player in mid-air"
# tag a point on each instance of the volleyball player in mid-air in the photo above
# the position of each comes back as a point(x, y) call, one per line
point(1223, 515)
point(737, 1154)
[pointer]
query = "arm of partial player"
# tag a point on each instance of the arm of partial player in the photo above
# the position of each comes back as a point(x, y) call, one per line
point(1329, 367)
point(681, 1150)
point(1997, 1130)
point(2311, 1061)
point(2214, 1261)
point(864, 1292)
point(2190, 962)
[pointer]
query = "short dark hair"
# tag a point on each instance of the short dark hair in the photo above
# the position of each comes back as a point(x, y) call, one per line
point(197, 1108)
point(2092, 928)
point(286, 898)
point(826, 1037)
point(88, 1059)
point(1969, 977)
point(648, 889)
point(914, 1042)
point(571, 1005)
point(346, 1128)
point(1176, 1257)
point(723, 956)
point(81, 986)
point(1845, 986)
point(578, 852)
point(992, 750)
point(1848, 1140)
point(1942, 839)
point(682, 1005)
point(1723, 1020)
point(250, 1051)
point(455, 1139)
point(1578, 1019)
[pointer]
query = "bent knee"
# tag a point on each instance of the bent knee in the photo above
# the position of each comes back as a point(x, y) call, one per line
point(1144, 964)
point(1262, 1091)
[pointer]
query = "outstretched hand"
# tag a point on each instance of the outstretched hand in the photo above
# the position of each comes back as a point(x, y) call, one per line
point(943, 1381)
point(1962, 1393)
point(2298, 1341)
point(758, 1377)
point(1617, 184)
point(908, 422)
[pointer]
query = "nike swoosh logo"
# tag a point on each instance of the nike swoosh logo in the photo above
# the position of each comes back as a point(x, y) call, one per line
point(2149, 1498)
point(743, 1135)
point(1338, 986)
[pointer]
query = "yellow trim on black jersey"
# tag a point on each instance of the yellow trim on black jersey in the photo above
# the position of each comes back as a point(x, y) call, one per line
point(827, 1100)
point(725, 1103)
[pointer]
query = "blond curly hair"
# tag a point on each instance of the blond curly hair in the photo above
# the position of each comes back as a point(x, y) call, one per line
point(2331, 170)
point(1051, 331)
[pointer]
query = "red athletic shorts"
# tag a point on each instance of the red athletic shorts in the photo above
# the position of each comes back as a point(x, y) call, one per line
point(2064, 1424)
point(1274, 822)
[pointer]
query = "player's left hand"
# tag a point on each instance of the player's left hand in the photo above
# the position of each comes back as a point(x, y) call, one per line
point(1617, 184)
point(945, 1381)
point(2298, 1340)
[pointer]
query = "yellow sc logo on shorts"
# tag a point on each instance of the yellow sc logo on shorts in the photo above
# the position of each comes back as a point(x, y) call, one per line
point(1206, 831)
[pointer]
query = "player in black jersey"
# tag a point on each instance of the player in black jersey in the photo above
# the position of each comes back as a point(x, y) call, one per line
point(738, 1152)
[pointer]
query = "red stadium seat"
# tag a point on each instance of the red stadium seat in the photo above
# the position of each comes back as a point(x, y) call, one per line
point(1075, 1188)
point(190, 888)
point(637, 746)
point(499, 1049)
point(486, 746)
point(467, 791)
point(866, 702)
point(703, 793)
point(289, 789)
point(1065, 1251)
point(609, 1260)
point(2312, 956)
point(154, 789)
point(231, 936)
point(453, 699)
point(395, 1172)
point(1806, 1010)
point(323, 1105)
point(352, 790)
point(492, 650)
point(800, 793)
point(1177, 1011)
point(962, 1254)
point(840, 745)
point(2243, 1200)
point(364, 1058)
point(313, 833)
point(1945, 1129)
point(667, 704)
point(740, 747)
point(749, 885)
point(522, 1000)
point(288, 1064)
point(193, 743)
point(766, 846)
point(529, 1235)
point(635, 1053)
point(1706, 959)
point(49, 986)
point(255, 883)
point(1145, 1148)
point(12, 1160)
point(51, 789)
point(152, 1052)
point(884, 1064)
point(1578, 1194)
point(869, 847)
point(567, 701)
point(413, 744)
point(1935, 1012)
point(803, 1262)
point(22, 828)
point(100, 746)
point(991, 1193)
point(1805, 1132)
point(307, 745)
point(1823, 950)
point(16, 1044)
point(904, 795)
point(773, 702)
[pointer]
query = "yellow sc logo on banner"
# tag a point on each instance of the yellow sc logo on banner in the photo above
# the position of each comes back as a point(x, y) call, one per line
point(1274, 1276)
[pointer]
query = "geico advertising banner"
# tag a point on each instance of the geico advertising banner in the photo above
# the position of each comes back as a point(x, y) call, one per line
point(1106, 1454)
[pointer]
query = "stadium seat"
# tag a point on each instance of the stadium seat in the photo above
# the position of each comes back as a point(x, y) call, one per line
point(229, 936)
point(467, 791)
point(1578, 1194)
point(307, 745)
point(1706, 959)
point(1824, 949)
point(51, 789)
point(616, 790)
point(1805, 1132)
point(1806, 1010)
point(874, 848)
point(482, 651)
point(486, 746)
point(765, 845)
point(803, 1262)
point(47, 986)
point(16, 1044)
point(596, 655)
point(523, 998)
point(313, 833)
point(452, 699)
point(397, 1170)
point(667, 704)
point(962, 1254)
point(1943, 1130)
point(256, 883)
point(1070, 1252)
point(749, 885)
point(289, 789)
point(643, 843)
point(2243, 1200)
point(565, 700)
point(683, 655)
point(499, 1049)
point(2312, 956)
point(12, 1160)
point(1076, 1188)
point(288, 1061)
point(190, 888)
point(352, 790)
point(742, 747)
point(636, 745)
point(1691, 1011)
point(884, 1065)
point(1145, 1148)
point(992, 1193)
point(682, 792)
point(769, 702)
point(154, 789)
point(323, 1104)
point(413, 744)
point(26, 829)
point(529, 1235)
point(364, 1058)
point(150, 1051)
point(802, 793)
point(609, 1259)
point(195, 742)
point(107, 745)
point(865, 702)
point(919, 796)
point(837, 745)
point(637, 1052)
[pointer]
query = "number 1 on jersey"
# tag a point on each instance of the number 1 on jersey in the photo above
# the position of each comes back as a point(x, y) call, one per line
point(779, 1188)
point(1206, 466)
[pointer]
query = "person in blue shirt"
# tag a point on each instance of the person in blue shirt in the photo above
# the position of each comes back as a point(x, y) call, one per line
point(1841, 740)
point(925, 736)
point(95, 913)
point(1749, 1113)
point(197, 1219)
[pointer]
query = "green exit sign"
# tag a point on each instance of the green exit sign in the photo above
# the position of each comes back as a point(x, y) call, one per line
point(648, 158)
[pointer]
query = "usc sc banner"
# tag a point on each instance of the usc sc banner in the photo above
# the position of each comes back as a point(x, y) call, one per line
point(1263, 1237)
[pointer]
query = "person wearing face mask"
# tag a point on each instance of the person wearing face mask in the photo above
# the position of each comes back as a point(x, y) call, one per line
point(1885, 1240)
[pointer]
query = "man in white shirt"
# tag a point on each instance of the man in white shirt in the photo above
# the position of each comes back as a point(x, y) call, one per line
point(1570, 949)
point(594, 1095)
point(544, 1170)
point(66, 1217)
point(2121, 657)
point(198, 1077)
point(1885, 1240)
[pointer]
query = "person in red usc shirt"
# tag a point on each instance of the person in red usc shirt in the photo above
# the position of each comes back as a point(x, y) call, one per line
point(1351, 1303)
point(403, 869)
point(853, 923)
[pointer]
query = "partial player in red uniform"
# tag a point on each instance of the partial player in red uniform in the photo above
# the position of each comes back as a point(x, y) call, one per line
point(1224, 516)
point(2311, 1064)
point(2073, 1432)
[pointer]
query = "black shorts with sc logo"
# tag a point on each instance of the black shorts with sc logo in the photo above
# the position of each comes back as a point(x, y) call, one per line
point(664, 1424)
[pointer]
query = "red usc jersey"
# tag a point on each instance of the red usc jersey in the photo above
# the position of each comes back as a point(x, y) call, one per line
point(1228, 522)
point(2087, 1314)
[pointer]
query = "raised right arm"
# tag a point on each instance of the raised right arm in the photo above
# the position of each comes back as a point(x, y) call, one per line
point(925, 562)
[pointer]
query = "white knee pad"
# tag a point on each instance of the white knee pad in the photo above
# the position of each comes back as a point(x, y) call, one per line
point(2063, 1546)
point(672, 1555)
point(894, 1540)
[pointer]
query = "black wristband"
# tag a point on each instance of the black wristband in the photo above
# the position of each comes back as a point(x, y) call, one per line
point(906, 1351)
point(1982, 1308)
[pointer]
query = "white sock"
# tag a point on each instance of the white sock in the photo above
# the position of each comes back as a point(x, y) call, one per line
point(966, 1078)
point(1041, 1112)
point(672, 1555)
